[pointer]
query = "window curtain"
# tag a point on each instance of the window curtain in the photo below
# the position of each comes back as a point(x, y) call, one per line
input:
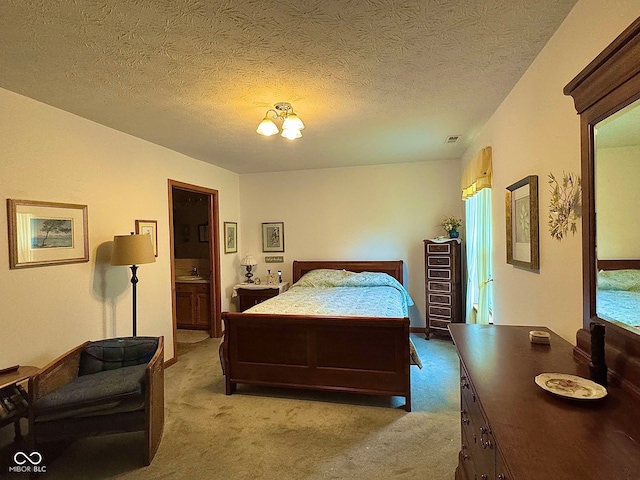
point(476, 191)
point(478, 174)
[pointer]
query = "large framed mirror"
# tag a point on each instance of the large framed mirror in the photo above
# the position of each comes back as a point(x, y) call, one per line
point(617, 197)
point(607, 97)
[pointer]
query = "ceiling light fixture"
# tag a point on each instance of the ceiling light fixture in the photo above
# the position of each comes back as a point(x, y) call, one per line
point(291, 123)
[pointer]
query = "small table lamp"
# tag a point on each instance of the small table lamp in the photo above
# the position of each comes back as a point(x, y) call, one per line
point(249, 262)
point(132, 250)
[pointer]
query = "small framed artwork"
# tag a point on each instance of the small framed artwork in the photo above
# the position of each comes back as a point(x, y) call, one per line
point(149, 227)
point(521, 202)
point(46, 233)
point(203, 233)
point(273, 237)
point(230, 237)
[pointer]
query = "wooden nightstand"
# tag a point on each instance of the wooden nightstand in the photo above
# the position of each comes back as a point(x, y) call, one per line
point(250, 294)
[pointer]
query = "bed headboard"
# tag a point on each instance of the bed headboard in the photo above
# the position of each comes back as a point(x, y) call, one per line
point(618, 264)
point(390, 267)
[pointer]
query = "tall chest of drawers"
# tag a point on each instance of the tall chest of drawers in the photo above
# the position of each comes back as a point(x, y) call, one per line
point(443, 285)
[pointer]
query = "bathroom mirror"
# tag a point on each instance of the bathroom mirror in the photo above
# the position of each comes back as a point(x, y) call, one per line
point(606, 94)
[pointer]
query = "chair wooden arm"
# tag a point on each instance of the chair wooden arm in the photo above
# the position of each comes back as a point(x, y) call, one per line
point(155, 401)
point(56, 374)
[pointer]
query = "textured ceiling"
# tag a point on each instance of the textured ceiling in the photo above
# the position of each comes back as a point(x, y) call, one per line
point(375, 81)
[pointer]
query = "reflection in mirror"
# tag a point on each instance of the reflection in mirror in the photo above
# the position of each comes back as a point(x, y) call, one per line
point(617, 199)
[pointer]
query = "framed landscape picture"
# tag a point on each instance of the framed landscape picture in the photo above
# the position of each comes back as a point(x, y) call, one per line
point(230, 237)
point(521, 202)
point(46, 233)
point(273, 237)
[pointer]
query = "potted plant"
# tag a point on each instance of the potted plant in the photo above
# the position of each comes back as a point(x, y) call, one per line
point(451, 225)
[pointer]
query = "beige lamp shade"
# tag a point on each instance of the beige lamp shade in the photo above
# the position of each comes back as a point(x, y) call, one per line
point(132, 250)
point(249, 260)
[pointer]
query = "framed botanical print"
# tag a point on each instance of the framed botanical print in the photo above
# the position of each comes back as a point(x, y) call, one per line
point(230, 237)
point(149, 227)
point(46, 233)
point(521, 202)
point(273, 237)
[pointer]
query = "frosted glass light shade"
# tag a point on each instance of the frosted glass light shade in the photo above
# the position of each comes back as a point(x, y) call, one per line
point(292, 122)
point(291, 134)
point(132, 250)
point(267, 127)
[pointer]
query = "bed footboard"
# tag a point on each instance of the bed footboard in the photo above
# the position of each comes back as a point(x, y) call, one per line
point(348, 354)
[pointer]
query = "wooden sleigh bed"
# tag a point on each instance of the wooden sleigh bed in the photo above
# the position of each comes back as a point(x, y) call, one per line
point(368, 355)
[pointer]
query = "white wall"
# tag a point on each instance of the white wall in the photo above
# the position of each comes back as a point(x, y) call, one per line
point(355, 213)
point(617, 196)
point(51, 155)
point(534, 132)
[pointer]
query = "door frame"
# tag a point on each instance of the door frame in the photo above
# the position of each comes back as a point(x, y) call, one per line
point(215, 329)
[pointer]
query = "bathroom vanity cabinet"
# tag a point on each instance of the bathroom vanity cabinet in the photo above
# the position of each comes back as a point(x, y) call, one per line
point(193, 306)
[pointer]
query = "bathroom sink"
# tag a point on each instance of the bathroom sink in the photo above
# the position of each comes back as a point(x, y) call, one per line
point(189, 278)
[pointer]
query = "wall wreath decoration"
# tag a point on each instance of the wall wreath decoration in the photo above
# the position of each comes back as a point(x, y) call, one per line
point(566, 204)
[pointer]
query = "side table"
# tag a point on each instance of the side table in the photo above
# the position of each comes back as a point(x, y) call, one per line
point(14, 402)
point(250, 294)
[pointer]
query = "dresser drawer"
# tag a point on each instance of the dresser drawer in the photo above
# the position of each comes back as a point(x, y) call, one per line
point(502, 472)
point(439, 248)
point(442, 274)
point(248, 298)
point(440, 298)
point(442, 312)
point(470, 401)
point(437, 261)
point(465, 457)
point(480, 444)
point(439, 323)
point(439, 287)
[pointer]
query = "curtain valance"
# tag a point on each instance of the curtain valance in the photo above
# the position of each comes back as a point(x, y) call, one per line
point(478, 174)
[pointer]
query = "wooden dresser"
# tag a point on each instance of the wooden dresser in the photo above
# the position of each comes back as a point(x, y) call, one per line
point(514, 430)
point(443, 284)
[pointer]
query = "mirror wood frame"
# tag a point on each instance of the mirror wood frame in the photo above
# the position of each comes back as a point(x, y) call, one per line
point(609, 83)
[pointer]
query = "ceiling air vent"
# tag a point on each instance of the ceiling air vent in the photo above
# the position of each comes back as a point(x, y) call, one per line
point(453, 138)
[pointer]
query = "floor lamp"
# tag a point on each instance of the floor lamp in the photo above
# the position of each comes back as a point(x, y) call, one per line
point(132, 250)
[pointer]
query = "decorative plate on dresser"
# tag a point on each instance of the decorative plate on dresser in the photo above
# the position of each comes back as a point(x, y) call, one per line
point(570, 386)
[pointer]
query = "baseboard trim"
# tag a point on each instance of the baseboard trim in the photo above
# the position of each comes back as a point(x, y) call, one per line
point(170, 362)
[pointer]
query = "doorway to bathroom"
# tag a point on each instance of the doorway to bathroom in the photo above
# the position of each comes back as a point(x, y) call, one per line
point(195, 262)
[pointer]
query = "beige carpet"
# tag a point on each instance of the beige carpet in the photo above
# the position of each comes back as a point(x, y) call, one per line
point(274, 434)
point(191, 336)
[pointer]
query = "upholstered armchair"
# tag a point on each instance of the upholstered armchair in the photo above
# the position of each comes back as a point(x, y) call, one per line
point(107, 386)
